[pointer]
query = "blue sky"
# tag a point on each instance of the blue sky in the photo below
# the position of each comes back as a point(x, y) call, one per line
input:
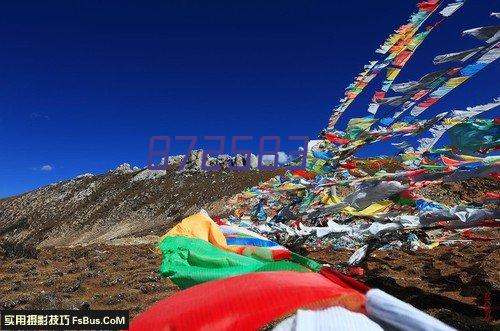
point(85, 84)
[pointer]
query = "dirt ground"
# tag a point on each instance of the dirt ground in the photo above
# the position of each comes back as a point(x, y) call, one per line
point(452, 283)
point(91, 277)
point(449, 283)
point(113, 206)
point(458, 284)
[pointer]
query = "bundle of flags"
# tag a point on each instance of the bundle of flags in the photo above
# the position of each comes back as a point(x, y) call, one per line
point(236, 279)
point(399, 47)
point(198, 250)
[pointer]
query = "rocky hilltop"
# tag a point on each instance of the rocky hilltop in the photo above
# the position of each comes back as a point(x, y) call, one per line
point(127, 205)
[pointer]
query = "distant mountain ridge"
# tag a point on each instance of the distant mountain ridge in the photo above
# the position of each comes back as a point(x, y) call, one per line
point(125, 204)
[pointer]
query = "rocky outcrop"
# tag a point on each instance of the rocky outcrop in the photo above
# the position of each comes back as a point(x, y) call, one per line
point(124, 204)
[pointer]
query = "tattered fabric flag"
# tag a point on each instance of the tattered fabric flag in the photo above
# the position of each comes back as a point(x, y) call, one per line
point(428, 6)
point(400, 60)
point(437, 132)
point(470, 70)
point(405, 53)
point(249, 302)
point(490, 56)
point(488, 34)
point(471, 136)
point(418, 39)
point(470, 159)
point(360, 82)
point(190, 261)
point(456, 117)
point(423, 82)
point(420, 94)
point(336, 139)
point(401, 145)
point(392, 73)
point(426, 125)
point(405, 87)
point(458, 56)
point(197, 250)
point(394, 101)
point(358, 125)
point(452, 83)
point(333, 318)
point(451, 8)
point(400, 315)
point(401, 32)
point(400, 42)
point(365, 196)
point(451, 162)
point(476, 110)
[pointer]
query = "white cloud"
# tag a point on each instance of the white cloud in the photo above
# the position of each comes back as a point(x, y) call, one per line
point(47, 168)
